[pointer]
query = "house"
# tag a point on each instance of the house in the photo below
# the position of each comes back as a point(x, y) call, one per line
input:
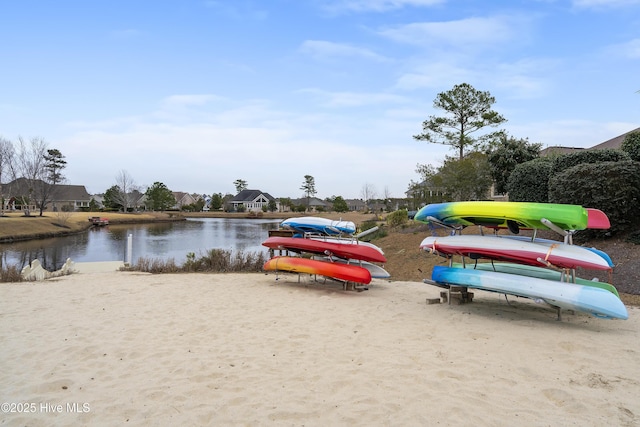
point(252, 201)
point(313, 204)
point(356, 205)
point(182, 199)
point(63, 197)
point(70, 198)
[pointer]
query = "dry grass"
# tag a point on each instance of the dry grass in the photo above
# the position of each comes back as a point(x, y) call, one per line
point(213, 261)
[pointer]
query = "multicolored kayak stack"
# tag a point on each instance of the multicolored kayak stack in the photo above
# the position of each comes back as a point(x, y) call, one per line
point(541, 269)
point(324, 247)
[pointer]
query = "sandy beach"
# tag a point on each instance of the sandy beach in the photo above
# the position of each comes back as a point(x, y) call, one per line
point(246, 349)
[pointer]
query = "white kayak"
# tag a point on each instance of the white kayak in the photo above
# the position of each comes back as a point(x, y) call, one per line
point(313, 224)
point(524, 252)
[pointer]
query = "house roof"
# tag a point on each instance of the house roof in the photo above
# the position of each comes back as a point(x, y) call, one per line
point(313, 201)
point(71, 192)
point(613, 142)
point(557, 150)
point(62, 191)
point(249, 196)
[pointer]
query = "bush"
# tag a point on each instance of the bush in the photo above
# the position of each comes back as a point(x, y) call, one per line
point(566, 161)
point(11, 273)
point(398, 218)
point(631, 145)
point(612, 187)
point(529, 181)
point(214, 260)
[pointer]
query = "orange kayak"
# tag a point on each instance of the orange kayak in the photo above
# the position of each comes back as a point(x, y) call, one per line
point(334, 270)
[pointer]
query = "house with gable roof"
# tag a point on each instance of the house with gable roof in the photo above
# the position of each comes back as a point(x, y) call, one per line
point(62, 197)
point(252, 201)
point(183, 199)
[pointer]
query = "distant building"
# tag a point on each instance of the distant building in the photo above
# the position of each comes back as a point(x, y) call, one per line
point(63, 197)
point(252, 201)
point(356, 205)
point(314, 204)
point(183, 199)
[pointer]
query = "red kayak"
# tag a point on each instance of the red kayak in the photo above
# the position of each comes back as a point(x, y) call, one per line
point(298, 244)
point(334, 270)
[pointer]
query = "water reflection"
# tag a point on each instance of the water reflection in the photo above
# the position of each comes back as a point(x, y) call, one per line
point(158, 241)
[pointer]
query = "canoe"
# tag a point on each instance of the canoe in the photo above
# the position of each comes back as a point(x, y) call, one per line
point(523, 252)
point(321, 247)
point(538, 272)
point(312, 224)
point(595, 301)
point(512, 215)
point(338, 271)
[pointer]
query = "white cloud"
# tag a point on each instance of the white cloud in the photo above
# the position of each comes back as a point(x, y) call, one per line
point(320, 49)
point(355, 99)
point(270, 149)
point(434, 75)
point(459, 33)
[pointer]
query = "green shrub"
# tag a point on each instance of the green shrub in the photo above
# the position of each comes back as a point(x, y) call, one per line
point(397, 218)
point(631, 145)
point(612, 187)
point(566, 161)
point(529, 181)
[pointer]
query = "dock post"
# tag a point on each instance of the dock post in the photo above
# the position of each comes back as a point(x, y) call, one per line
point(129, 249)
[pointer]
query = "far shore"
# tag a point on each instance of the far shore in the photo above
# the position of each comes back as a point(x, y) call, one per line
point(15, 226)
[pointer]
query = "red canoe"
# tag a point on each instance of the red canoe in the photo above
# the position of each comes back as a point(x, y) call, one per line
point(334, 270)
point(297, 244)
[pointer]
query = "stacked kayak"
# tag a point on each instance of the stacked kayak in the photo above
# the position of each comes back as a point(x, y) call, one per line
point(540, 269)
point(326, 248)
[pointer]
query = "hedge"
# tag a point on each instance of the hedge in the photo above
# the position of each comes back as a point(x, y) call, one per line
point(613, 187)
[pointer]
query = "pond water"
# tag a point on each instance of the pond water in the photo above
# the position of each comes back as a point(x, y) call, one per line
point(153, 241)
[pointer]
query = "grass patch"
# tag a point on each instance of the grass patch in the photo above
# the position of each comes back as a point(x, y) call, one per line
point(213, 261)
point(10, 274)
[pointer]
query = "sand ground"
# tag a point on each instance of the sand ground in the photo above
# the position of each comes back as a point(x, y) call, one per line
point(247, 349)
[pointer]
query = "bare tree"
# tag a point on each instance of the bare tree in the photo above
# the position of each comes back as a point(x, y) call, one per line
point(30, 165)
point(128, 189)
point(368, 192)
point(6, 165)
point(387, 197)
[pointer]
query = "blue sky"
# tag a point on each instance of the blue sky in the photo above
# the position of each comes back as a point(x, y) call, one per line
point(199, 93)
